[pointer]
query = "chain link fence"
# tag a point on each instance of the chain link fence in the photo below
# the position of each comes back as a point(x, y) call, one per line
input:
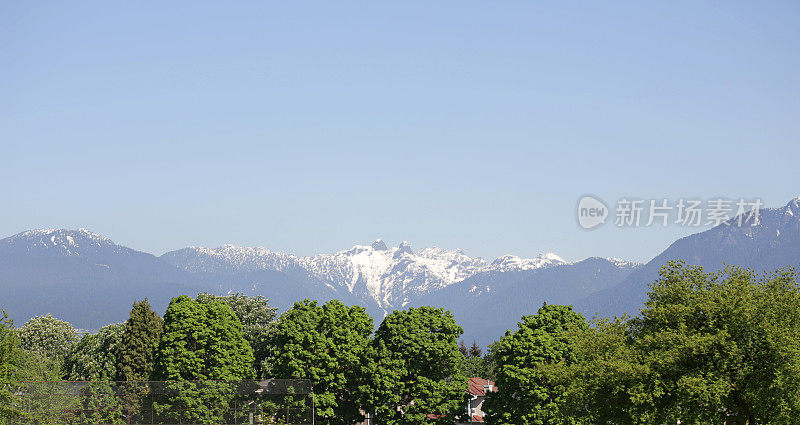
point(273, 401)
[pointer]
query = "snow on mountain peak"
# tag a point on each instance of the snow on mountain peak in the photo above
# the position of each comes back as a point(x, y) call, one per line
point(618, 262)
point(793, 207)
point(389, 276)
point(62, 237)
point(60, 233)
point(379, 245)
point(404, 247)
point(64, 242)
point(513, 262)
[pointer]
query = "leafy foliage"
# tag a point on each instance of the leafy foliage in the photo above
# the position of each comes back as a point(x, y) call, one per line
point(414, 368)
point(526, 394)
point(136, 350)
point(48, 336)
point(99, 405)
point(257, 319)
point(94, 357)
point(475, 365)
point(605, 372)
point(324, 343)
point(720, 344)
point(200, 341)
point(707, 347)
point(49, 402)
point(10, 362)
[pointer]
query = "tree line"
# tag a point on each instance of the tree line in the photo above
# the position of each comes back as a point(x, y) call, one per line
point(707, 348)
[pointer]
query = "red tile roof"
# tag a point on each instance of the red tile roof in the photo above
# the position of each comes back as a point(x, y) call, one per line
point(477, 386)
point(475, 418)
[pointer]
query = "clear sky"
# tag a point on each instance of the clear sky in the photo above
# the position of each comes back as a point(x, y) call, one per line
point(309, 127)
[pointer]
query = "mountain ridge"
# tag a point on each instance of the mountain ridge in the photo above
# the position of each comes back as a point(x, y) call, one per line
point(772, 243)
point(390, 277)
point(63, 272)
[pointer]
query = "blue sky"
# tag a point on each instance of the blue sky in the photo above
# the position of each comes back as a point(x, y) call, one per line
point(309, 127)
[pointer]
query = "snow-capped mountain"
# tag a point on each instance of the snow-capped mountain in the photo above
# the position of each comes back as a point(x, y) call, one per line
point(82, 277)
point(89, 280)
point(60, 242)
point(388, 277)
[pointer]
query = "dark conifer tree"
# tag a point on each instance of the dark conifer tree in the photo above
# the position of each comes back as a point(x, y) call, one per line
point(474, 350)
point(463, 348)
point(139, 339)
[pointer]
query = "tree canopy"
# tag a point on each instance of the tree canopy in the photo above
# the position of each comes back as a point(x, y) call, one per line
point(413, 372)
point(720, 345)
point(48, 336)
point(706, 348)
point(139, 339)
point(10, 362)
point(94, 357)
point(526, 394)
point(257, 319)
point(201, 341)
point(324, 343)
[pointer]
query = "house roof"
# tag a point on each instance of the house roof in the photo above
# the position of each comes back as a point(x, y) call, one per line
point(475, 418)
point(477, 386)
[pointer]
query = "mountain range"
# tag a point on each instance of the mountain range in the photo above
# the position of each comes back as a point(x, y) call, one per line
point(375, 275)
point(90, 281)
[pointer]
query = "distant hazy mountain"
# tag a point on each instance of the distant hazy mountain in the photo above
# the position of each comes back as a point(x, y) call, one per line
point(82, 277)
point(489, 303)
point(374, 275)
point(774, 242)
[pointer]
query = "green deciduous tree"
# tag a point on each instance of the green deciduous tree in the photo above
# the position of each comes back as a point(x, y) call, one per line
point(10, 363)
point(258, 321)
point(46, 398)
point(526, 393)
point(477, 367)
point(604, 375)
point(136, 351)
point(200, 341)
point(46, 341)
point(707, 348)
point(414, 368)
point(49, 336)
point(94, 357)
point(100, 405)
point(719, 345)
point(324, 343)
